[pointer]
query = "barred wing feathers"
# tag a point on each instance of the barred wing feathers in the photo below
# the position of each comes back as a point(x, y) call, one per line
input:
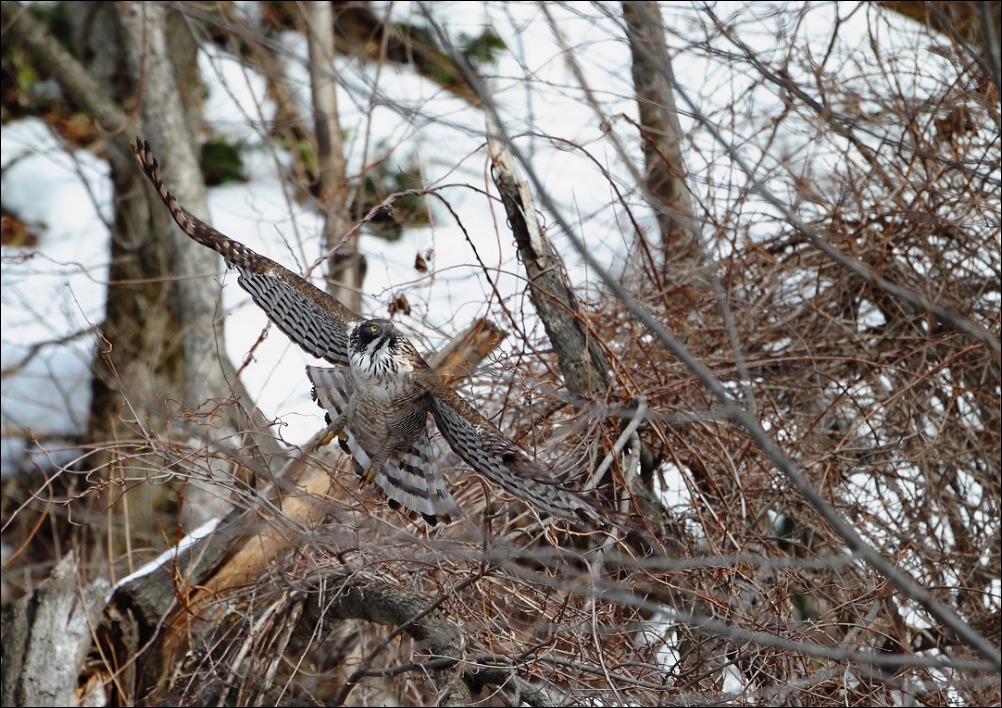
point(311, 318)
point(493, 455)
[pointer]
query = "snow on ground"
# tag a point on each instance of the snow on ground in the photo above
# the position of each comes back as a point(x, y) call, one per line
point(58, 289)
point(55, 292)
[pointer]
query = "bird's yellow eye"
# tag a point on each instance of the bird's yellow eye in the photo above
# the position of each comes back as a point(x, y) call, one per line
point(373, 328)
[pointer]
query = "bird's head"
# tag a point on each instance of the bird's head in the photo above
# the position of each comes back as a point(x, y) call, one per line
point(378, 348)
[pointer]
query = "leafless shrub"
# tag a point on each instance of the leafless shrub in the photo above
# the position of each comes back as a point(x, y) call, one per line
point(724, 583)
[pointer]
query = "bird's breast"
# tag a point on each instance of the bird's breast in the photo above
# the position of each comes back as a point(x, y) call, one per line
point(385, 408)
point(381, 369)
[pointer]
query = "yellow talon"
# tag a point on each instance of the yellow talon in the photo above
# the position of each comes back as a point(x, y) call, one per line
point(368, 477)
point(324, 441)
point(328, 438)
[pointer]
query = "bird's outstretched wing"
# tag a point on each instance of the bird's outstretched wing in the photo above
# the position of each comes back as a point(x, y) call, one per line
point(411, 479)
point(497, 458)
point(314, 320)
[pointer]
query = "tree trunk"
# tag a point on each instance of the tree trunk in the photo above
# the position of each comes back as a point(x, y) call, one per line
point(46, 638)
point(158, 335)
point(665, 173)
point(347, 266)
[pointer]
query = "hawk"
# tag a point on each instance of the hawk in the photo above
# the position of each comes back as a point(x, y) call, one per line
point(381, 391)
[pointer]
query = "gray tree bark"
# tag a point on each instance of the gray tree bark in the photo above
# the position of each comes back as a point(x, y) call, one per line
point(665, 173)
point(157, 335)
point(582, 362)
point(347, 266)
point(173, 134)
point(47, 636)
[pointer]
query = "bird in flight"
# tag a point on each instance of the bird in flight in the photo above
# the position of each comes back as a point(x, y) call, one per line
point(380, 391)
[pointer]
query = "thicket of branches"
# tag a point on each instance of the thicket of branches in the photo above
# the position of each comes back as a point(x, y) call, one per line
point(805, 301)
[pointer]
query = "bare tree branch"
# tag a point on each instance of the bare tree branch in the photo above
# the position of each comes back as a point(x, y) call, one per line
point(731, 407)
point(581, 359)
